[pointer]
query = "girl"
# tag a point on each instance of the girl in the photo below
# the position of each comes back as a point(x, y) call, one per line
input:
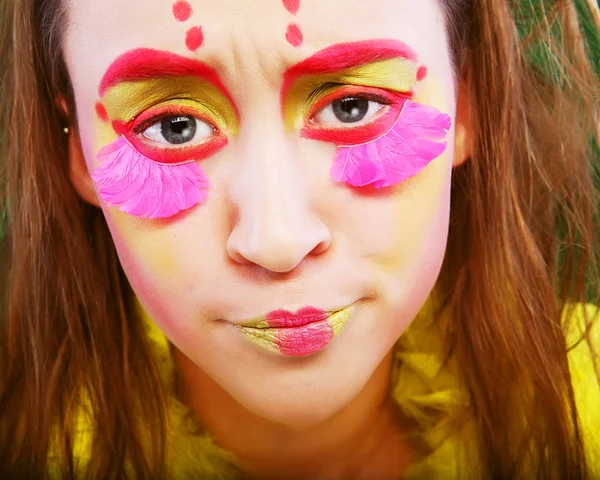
point(295, 239)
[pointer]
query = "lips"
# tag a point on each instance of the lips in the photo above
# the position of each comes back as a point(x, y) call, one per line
point(304, 316)
point(304, 332)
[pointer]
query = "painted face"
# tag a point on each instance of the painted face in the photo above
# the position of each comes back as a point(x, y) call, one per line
point(276, 179)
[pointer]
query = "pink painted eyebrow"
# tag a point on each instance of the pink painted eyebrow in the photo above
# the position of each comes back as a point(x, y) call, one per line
point(146, 63)
point(343, 56)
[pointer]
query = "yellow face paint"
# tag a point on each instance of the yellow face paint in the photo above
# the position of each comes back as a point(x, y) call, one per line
point(396, 74)
point(126, 100)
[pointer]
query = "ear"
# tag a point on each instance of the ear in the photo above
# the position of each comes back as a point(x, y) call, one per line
point(78, 171)
point(463, 126)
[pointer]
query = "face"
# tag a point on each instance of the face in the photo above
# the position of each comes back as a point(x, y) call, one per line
point(276, 179)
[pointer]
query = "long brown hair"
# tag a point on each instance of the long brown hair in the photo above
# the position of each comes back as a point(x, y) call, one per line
point(68, 320)
point(522, 244)
point(523, 240)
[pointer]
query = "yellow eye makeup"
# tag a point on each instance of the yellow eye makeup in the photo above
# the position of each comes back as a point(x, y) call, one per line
point(125, 101)
point(397, 75)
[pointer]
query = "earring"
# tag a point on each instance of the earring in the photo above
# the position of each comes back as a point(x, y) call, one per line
point(66, 130)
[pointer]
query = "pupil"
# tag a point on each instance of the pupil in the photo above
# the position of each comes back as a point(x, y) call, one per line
point(350, 110)
point(178, 129)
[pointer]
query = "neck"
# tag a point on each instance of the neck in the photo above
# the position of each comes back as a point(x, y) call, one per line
point(364, 436)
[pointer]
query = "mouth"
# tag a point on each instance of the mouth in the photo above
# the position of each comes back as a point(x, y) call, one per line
point(307, 331)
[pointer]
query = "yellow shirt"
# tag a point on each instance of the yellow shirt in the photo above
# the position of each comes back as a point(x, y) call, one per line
point(427, 391)
point(423, 387)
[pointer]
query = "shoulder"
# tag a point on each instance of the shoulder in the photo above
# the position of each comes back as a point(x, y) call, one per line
point(582, 323)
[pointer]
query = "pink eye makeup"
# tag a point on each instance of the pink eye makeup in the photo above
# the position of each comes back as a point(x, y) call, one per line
point(417, 137)
point(170, 112)
point(382, 136)
point(151, 170)
point(142, 187)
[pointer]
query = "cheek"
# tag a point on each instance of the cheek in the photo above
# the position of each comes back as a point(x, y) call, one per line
point(404, 233)
point(144, 253)
point(402, 238)
point(411, 266)
point(148, 261)
point(419, 227)
point(164, 263)
point(395, 226)
point(407, 265)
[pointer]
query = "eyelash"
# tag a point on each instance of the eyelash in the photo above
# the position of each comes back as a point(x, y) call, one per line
point(170, 111)
point(360, 132)
point(347, 135)
point(133, 132)
point(331, 91)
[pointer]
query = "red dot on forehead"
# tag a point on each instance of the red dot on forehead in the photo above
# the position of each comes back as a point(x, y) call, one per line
point(294, 35)
point(182, 10)
point(292, 6)
point(421, 73)
point(194, 38)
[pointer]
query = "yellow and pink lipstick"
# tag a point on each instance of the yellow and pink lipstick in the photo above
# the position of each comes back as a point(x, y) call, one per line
point(307, 331)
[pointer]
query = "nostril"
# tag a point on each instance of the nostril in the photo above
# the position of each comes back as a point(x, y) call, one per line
point(237, 256)
point(274, 250)
point(321, 247)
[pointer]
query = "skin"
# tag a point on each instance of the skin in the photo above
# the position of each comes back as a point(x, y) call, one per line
point(277, 233)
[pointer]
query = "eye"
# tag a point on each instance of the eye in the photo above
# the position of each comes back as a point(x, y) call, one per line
point(349, 110)
point(179, 129)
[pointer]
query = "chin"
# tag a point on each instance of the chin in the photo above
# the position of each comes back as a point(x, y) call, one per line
point(301, 410)
point(311, 394)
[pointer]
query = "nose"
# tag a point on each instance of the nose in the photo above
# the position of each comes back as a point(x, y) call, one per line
point(276, 227)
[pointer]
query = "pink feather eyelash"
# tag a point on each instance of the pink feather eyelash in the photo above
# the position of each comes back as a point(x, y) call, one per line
point(147, 189)
point(144, 188)
point(417, 138)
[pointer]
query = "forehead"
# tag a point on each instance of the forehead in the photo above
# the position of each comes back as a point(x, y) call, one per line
point(239, 35)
